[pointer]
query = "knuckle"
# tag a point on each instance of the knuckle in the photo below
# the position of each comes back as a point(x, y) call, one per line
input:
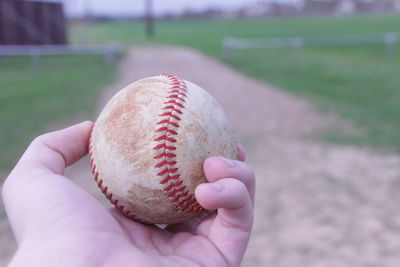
point(251, 175)
point(39, 139)
point(229, 163)
point(238, 187)
point(245, 173)
point(237, 193)
point(42, 139)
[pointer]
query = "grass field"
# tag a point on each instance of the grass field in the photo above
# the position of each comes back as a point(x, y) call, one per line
point(355, 82)
point(358, 85)
point(32, 100)
point(206, 35)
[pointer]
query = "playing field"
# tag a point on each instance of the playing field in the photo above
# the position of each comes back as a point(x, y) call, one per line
point(354, 82)
point(317, 204)
point(63, 89)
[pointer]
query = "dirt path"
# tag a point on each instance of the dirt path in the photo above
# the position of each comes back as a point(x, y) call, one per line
point(317, 204)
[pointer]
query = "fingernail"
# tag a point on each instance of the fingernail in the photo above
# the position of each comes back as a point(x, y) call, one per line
point(228, 162)
point(216, 187)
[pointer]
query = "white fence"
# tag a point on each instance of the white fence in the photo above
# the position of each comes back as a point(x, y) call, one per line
point(389, 40)
point(35, 52)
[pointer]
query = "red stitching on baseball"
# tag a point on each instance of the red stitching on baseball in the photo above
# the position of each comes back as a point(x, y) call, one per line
point(164, 137)
point(167, 170)
point(169, 178)
point(176, 199)
point(166, 155)
point(196, 208)
point(164, 162)
point(174, 109)
point(190, 203)
point(166, 129)
point(169, 114)
point(173, 185)
point(175, 191)
point(175, 103)
point(174, 106)
point(168, 122)
point(177, 97)
point(177, 91)
point(157, 147)
point(100, 183)
point(187, 199)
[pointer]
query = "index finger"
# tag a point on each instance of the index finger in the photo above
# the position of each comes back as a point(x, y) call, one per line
point(36, 184)
point(53, 152)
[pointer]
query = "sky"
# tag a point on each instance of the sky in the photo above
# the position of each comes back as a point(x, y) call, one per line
point(136, 7)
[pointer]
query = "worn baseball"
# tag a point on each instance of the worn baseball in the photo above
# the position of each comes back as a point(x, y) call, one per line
point(149, 143)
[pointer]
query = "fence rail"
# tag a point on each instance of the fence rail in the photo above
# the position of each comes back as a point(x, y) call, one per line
point(35, 52)
point(389, 40)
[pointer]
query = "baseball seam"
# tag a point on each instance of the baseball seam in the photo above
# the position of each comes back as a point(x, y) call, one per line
point(168, 125)
point(104, 189)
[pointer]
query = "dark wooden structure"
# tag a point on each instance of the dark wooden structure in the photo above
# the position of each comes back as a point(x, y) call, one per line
point(32, 23)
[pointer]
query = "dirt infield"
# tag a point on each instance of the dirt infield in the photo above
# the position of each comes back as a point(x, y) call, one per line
point(316, 204)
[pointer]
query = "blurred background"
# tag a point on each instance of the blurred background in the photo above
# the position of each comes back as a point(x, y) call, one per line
point(311, 86)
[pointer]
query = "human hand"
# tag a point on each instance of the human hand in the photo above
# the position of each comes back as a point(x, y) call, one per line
point(57, 223)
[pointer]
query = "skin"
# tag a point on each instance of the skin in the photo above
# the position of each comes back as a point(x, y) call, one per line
point(57, 223)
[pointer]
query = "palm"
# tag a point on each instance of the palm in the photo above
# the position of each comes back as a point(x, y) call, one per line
point(174, 244)
point(53, 217)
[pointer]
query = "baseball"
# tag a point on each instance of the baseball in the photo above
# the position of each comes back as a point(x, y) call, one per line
point(149, 143)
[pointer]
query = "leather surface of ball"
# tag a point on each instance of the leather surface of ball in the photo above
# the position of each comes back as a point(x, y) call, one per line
point(149, 143)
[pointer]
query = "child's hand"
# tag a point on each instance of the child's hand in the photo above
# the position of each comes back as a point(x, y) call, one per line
point(57, 223)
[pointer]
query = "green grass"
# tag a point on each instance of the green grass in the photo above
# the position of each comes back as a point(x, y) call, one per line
point(206, 35)
point(32, 100)
point(355, 82)
point(363, 88)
